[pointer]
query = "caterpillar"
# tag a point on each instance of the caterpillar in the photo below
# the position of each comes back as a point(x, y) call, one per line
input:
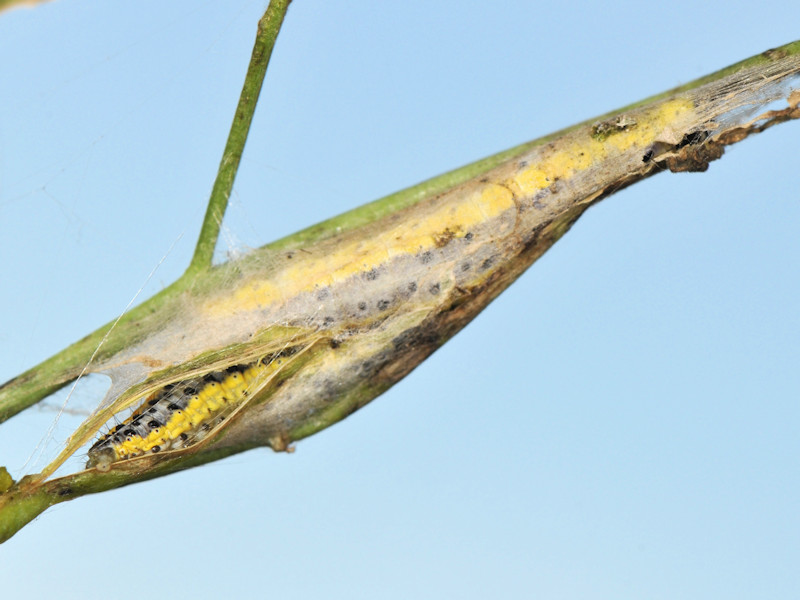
point(181, 414)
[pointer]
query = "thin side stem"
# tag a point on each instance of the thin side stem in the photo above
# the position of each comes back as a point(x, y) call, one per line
point(268, 28)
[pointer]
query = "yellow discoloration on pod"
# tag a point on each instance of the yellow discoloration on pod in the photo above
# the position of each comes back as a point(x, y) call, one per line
point(451, 219)
point(650, 126)
point(426, 227)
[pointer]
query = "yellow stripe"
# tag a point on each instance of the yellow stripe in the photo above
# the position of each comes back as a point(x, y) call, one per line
point(428, 225)
point(202, 408)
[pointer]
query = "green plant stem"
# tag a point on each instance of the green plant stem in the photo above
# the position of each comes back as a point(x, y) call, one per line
point(21, 502)
point(268, 28)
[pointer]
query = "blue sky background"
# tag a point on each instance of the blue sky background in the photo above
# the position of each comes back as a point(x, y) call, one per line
point(622, 423)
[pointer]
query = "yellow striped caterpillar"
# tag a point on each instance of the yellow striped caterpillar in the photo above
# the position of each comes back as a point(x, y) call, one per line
point(182, 414)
